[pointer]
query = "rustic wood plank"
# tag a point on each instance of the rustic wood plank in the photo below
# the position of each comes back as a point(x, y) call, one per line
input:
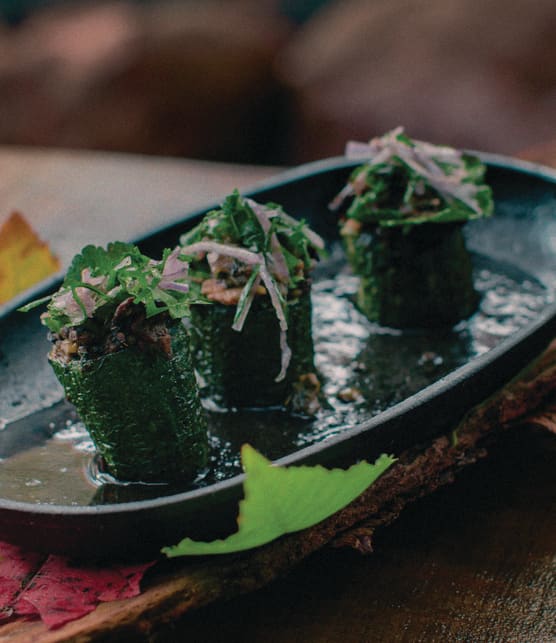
point(472, 562)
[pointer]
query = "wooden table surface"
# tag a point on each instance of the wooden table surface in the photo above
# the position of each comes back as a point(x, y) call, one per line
point(474, 562)
point(74, 198)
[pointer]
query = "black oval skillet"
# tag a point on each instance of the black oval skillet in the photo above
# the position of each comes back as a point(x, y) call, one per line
point(522, 233)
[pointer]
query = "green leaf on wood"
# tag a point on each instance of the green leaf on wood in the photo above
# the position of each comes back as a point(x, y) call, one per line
point(280, 500)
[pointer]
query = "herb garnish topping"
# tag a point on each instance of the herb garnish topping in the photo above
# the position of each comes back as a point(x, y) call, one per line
point(99, 279)
point(257, 249)
point(407, 182)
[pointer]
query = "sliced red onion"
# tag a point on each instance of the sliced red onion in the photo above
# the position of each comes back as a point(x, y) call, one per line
point(174, 266)
point(277, 305)
point(277, 263)
point(274, 296)
point(286, 356)
point(126, 261)
point(423, 158)
point(262, 214)
point(87, 300)
point(66, 302)
point(316, 240)
point(173, 285)
point(356, 150)
point(248, 257)
point(342, 195)
point(279, 266)
point(174, 270)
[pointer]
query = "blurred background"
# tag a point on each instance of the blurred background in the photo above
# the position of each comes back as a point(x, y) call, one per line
point(276, 81)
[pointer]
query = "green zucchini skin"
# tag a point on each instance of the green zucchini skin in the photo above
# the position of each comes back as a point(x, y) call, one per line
point(142, 410)
point(238, 369)
point(415, 277)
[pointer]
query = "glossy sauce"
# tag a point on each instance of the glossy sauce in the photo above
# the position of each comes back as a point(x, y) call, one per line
point(364, 369)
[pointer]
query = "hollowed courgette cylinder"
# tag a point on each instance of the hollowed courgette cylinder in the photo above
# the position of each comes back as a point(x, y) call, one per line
point(422, 277)
point(253, 346)
point(141, 409)
point(403, 230)
point(239, 369)
point(123, 357)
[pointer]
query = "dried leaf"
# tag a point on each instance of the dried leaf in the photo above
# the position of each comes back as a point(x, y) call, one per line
point(61, 592)
point(57, 590)
point(16, 568)
point(24, 258)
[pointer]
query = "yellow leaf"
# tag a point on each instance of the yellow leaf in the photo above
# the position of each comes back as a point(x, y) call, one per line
point(24, 258)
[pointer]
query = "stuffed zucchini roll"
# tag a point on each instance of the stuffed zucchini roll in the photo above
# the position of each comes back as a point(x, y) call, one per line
point(253, 347)
point(403, 229)
point(123, 357)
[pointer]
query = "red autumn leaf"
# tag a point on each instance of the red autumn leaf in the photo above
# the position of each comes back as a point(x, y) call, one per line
point(16, 568)
point(61, 591)
point(58, 590)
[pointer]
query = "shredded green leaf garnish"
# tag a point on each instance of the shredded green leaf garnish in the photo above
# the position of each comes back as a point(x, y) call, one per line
point(99, 279)
point(407, 182)
point(251, 246)
point(281, 500)
point(262, 229)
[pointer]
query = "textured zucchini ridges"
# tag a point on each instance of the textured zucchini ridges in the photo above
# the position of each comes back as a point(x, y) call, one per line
point(142, 410)
point(421, 276)
point(239, 368)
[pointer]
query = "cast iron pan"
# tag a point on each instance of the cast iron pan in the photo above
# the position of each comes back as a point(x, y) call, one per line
point(522, 234)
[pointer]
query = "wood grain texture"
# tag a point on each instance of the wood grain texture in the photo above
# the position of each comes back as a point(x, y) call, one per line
point(476, 561)
point(473, 562)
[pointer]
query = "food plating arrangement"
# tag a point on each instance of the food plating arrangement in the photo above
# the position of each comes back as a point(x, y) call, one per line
point(342, 313)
